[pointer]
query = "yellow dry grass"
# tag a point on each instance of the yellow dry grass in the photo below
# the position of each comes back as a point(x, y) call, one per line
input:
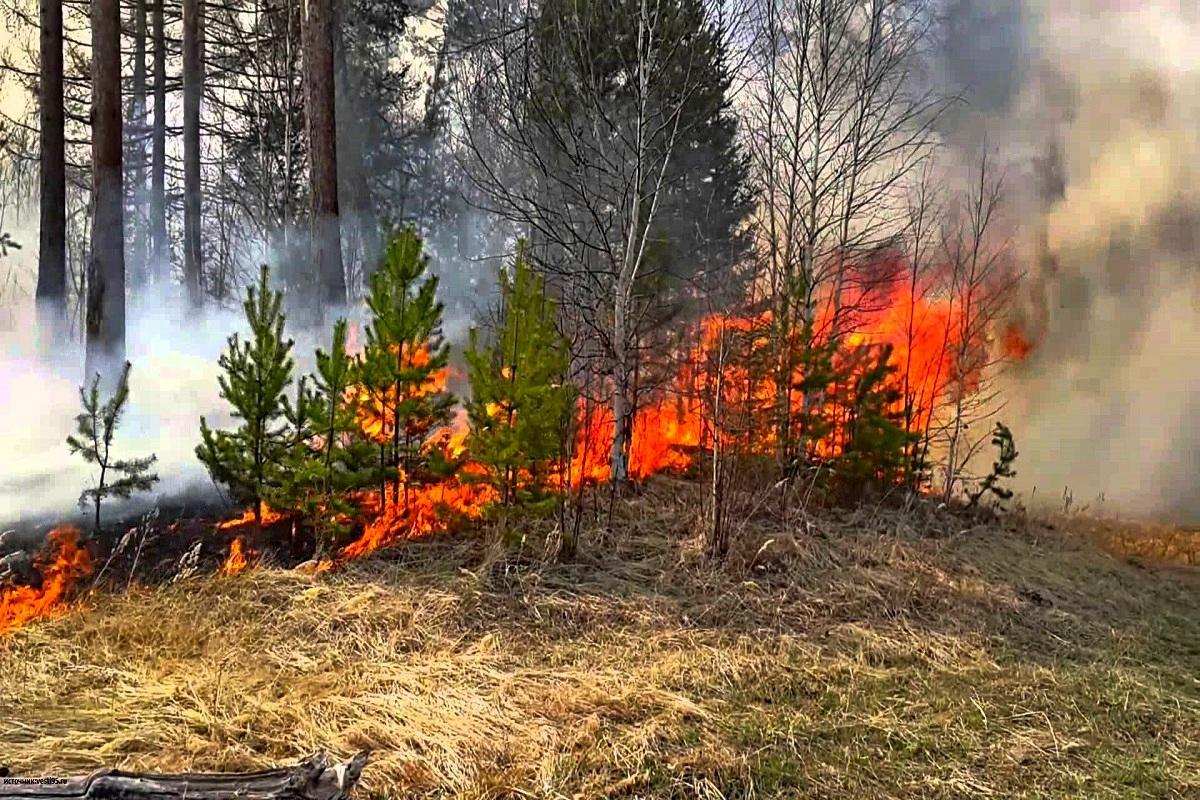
point(855, 659)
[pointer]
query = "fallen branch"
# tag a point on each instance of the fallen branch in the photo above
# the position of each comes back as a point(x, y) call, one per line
point(312, 779)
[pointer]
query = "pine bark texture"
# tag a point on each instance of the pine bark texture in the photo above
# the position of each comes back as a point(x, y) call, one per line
point(159, 248)
point(52, 253)
point(105, 325)
point(193, 89)
point(319, 32)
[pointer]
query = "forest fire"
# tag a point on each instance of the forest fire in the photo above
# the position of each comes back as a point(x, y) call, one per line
point(919, 334)
point(63, 563)
point(424, 510)
point(237, 561)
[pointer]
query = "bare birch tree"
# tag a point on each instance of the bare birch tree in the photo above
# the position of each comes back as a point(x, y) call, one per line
point(835, 123)
point(981, 280)
point(577, 120)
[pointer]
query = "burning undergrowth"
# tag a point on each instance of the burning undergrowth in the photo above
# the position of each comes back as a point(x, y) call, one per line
point(382, 414)
point(52, 577)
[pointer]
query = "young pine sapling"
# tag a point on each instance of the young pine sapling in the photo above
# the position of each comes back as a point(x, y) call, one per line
point(95, 428)
point(1002, 467)
point(521, 401)
point(330, 457)
point(257, 373)
point(401, 365)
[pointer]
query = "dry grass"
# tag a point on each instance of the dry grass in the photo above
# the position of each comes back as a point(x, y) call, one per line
point(1147, 543)
point(857, 659)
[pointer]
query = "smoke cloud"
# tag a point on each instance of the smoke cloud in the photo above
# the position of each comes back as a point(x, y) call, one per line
point(174, 350)
point(173, 382)
point(1095, 107)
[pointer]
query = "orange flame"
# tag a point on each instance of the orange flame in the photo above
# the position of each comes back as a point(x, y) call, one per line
point(239, 555)
point(918, 328)
point(237, 560)
point(269, 517)
point(63, 563)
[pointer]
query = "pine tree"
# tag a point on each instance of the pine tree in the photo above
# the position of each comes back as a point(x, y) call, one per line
point(1002, 439)
point(520, 401)
point(329, 457)
point(872, 437)
point(402, 365)
point(257, 373)
point(93, 439)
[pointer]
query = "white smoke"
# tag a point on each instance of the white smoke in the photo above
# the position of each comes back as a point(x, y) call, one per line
point(173, 382)
point(1096, 106)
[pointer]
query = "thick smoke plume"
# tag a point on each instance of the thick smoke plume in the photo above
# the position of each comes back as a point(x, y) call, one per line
point(174, 380)
point(1095, 107)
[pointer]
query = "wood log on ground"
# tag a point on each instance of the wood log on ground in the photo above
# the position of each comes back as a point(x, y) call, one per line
point(314, 778)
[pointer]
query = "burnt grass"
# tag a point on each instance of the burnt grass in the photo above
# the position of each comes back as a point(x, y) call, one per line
point(157, 537)
point(882, 651)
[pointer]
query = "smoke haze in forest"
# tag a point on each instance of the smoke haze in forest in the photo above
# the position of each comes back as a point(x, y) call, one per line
point(1094, 106)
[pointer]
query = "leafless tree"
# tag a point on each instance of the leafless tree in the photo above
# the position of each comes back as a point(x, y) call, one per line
point(586, 159)
point(981, 280)
point(835, 123)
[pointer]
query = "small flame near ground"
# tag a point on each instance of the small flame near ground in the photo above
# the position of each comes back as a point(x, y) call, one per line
point(63, 563)
point(240, 554)
point(237, 560)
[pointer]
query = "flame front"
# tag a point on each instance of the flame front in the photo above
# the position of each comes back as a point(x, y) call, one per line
point(922, 332)
point(63, 563)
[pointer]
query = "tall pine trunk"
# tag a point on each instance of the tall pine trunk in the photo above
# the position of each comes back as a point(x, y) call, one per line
point(193, 88)
point(52, 255)
point(137, 148)
point(325, 225)
point(106, 267)
point(358, 224)
point(160, 259)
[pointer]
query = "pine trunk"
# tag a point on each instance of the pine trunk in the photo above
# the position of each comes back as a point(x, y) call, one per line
point(193, 88)
point(319, 84)
point(52, 255)
point(106, 267)
point(358, 224)
point(137, 148)
point(159, 249)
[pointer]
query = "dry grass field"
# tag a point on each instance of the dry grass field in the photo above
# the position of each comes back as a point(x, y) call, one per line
point(858, 657)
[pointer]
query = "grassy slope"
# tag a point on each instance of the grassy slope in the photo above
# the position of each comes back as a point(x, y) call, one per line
point(857, 661)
